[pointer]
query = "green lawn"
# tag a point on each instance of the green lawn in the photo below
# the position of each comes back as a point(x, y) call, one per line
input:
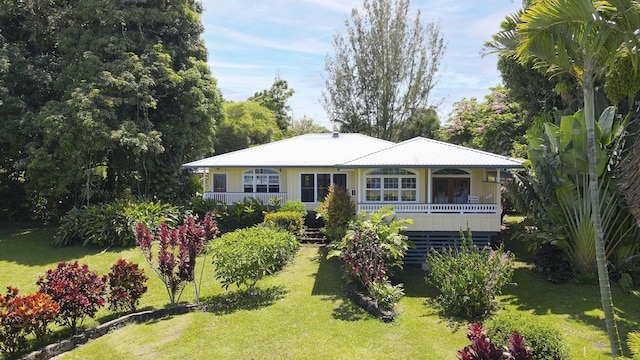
point(301, 313)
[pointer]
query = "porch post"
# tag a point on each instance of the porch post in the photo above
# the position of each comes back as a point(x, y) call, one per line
point(204, 181)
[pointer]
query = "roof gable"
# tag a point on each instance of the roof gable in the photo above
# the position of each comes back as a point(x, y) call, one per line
point(423, 152)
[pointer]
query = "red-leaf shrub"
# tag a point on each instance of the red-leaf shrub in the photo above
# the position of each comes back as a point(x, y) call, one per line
point(126, 285)
point(23, 315)
point(482, 348)
point(177, 251)
point(80, 292)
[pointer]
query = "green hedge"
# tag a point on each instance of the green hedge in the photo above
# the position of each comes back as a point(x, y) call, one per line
point(545, 341)
point(290, 221)
point(243, 257)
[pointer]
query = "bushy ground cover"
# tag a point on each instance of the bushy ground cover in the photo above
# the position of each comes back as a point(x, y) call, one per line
point(302, 312)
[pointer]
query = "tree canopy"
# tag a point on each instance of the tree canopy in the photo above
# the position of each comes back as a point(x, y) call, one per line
point(103, 99)
point(383, 69)
point(275, 99)
point(246, 124)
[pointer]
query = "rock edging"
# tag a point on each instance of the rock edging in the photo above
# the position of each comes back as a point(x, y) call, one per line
point(71, 343)
point(368, 304)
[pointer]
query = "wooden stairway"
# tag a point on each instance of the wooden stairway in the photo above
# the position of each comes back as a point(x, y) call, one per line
point(312, 235)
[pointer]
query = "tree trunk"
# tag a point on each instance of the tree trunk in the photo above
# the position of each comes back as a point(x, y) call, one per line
point(601, 261)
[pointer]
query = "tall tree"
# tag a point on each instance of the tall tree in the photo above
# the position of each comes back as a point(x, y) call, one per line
point(114, 97)
point(383, 69)
point(423, 122)
point(275, 99)
point(305, 126)
point(583, 38)
point(246, 124)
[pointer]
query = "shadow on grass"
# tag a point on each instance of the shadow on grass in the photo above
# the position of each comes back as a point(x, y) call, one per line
point(32, 247)
point(329, 284)
point(581, 302)
point(231, 302)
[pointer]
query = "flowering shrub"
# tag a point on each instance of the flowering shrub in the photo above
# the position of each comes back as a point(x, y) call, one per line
point(78, 291)
point(371, 248)
point(177, 253)
point(469, 279)
point(24, 315)
point(482, 348)
point(126, 285)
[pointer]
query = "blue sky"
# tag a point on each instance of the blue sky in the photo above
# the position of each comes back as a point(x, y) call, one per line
point(250, 41)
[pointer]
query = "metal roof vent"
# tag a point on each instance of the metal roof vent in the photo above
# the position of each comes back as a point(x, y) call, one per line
point(336, 134)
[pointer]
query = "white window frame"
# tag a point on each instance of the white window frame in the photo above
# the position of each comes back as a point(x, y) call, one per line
point(391, 176)
point(256, 173)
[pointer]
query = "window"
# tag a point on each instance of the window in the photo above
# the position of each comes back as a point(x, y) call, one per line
point(451, 186)
point(219, 182)
point(391, 185)
point(261, 181)
point(315, 187)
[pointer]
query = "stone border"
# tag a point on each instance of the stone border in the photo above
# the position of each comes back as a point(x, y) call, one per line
point(368, 304)
point(63, 346)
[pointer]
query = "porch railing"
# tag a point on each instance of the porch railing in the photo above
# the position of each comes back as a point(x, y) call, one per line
point(435, 208)
point(232, 197)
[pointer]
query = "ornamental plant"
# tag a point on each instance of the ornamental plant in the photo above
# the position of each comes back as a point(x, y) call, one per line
point(177, 252)
point(24, 315)
point(126, 285)
point(243, 257)
point(79, 292)
point(372, 247)
point(482, 348)
point(337, 210)
point(470, 278)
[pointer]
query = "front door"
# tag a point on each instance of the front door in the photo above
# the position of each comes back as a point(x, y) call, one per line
point(450, 190)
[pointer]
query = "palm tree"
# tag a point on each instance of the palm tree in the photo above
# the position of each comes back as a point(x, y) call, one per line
point(582, 38)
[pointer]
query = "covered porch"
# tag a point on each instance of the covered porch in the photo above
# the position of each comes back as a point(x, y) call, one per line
point(234, 197)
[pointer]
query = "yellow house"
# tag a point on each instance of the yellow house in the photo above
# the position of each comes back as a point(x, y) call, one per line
point(443, 187)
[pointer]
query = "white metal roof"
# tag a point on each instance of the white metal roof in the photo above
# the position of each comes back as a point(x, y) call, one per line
point(422, 152)
point(310, 150)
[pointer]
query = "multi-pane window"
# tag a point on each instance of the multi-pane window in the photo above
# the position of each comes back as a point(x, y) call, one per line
point(391, 185)
point(261, 181)
point(315, 187)
point(451, 186)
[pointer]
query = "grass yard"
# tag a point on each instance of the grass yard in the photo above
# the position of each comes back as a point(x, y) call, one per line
point(302, 314)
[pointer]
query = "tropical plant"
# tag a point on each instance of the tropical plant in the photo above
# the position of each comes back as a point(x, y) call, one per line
point(178, 250)
point(126, 285)
point(583, 38)
point(79, 292)
point(545, 341)
point(24, 315)
point(633, 341)
point(112, 224)
point(244, 256)
point(294, 205)
point(372, 247)
point(337, 209)
point(469, 279)
point(482, 348)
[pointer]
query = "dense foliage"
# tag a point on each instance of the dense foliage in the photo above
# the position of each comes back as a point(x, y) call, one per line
point(275, 99)
point(337, 210)
point(470, 278)
point(246, 124)
point(244, 256)
point(241, 214)
point(177, 252)
point(482, 348)
point(372, 247)
point(21, 316)
point(112, 224)
point(126, 285)
point(294, 205)
point(291, 221)
point(79, 292)
point(383, 70)
point(546, 342)
point(102, 100)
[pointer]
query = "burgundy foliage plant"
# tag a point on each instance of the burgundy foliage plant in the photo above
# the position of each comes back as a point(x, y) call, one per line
point(79, 292)
point(126, 285)
point(482, 348)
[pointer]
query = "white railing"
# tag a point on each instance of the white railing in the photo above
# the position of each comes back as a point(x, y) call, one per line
point(232, 197)
point(435, 208)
